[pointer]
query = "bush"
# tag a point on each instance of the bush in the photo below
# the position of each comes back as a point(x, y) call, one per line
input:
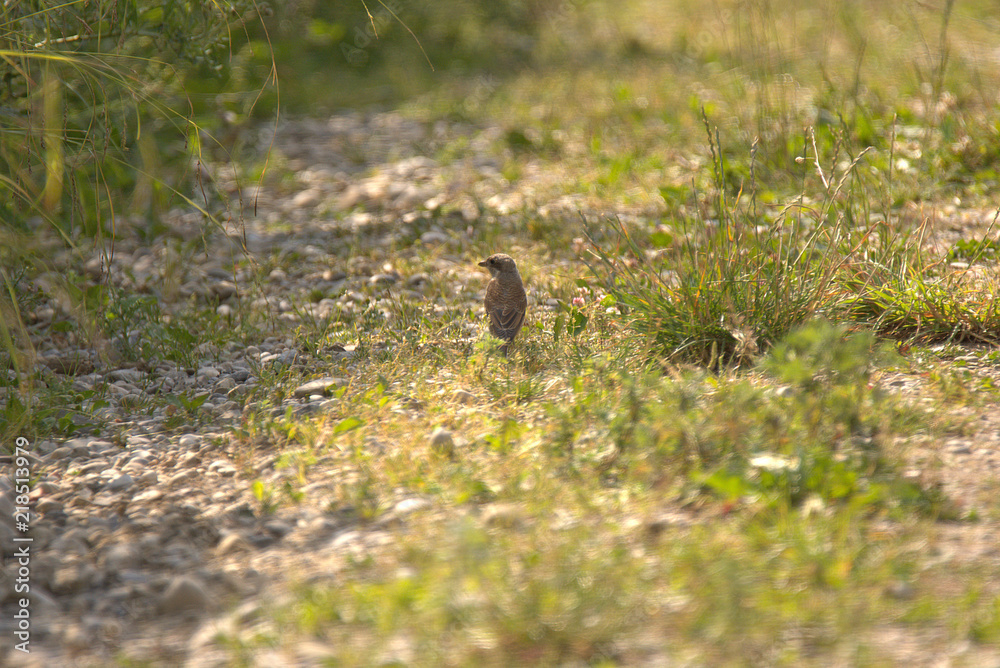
point(96, 106)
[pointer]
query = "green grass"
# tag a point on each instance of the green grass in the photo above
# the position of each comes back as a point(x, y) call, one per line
point(652, 514)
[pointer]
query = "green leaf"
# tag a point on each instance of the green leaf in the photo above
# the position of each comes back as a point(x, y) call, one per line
point(347, 424)
point(727, 485)
point(661, 239)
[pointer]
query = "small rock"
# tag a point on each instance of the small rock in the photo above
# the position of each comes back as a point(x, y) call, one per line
point(307, 198)
point(223, 290)
point(279, 528)
point(189, 441)
point(124, 556)
point(383, 279)
point(179, 478)
point(321, 386)
point(407, 506)
point(416, 280)
point(433, 238)
point(232, 543)
point(148, 478)
point(47, 447)
point(224, 385)
point(900, 590)
point(72, 577)
point(128, 375)
point(48, 505)
point(240, 375)
point(75, 639)
point(60, 453)
point(101, 447)
point(505, 515)
point(184, 594)
point(149, 495)
point(463, 397)
point(122, 483)
point(71, 543)
point(223, 467)
point(957, 446)
point(45, 314)
point(331, 275)
point(442, 442)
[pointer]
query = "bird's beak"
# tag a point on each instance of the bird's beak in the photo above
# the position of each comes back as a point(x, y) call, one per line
point(483, 263)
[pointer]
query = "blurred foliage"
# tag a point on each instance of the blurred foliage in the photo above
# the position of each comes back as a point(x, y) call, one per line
point(106, 108)
point(384, 51)
point(98, 97)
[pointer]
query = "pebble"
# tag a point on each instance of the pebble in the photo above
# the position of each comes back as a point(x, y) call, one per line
point(240, 375)
point(128, 375)
point(433, 238)
point(279, 528)
point(407, 506)
point(224, 385)
point(505, 515)
point(307, 198)
point(223, 467)
point(148, 478)
point(75, 638)
point(321, 386)
point(71, 577)
point(418, 280)
point(900, 590)
point(60, 453)
point(383, 279)
point(224, 290)
point(148, 496)
point(94, 447)
point(463, 397)
point(47, 506)
point(121, 557)
point(121, 483)
point(232, 543)
point(442, 442)
point(184, 594)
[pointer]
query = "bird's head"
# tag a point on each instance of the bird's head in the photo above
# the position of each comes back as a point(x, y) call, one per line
point(499, 263)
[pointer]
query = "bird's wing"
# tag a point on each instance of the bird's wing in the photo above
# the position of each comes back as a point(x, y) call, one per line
point(506, 321)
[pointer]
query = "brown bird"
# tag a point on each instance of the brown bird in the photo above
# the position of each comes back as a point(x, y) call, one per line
point(505, 300)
